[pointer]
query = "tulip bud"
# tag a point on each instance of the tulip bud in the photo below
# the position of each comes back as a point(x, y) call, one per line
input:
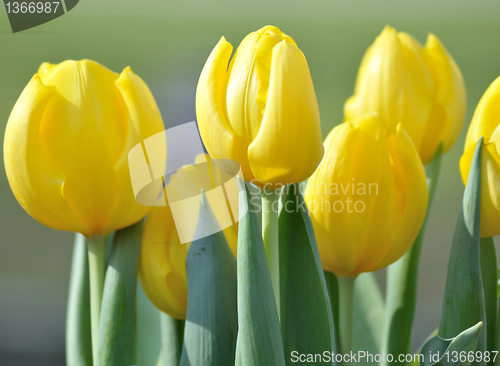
point(162, 267)
point(420, 87)
point(67, 141)
point(261, 109)
point(486, 123)
point(368, 197)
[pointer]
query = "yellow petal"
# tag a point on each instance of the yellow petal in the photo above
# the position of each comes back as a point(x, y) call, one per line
point(450, 96)
point(465, 163)
point(272, 30)
point(434, 132)
point(379, 209)
point(34, 176)
point(44, 69)
point(490, 183)
point(416, 103)
point(346, 191)
point(162, 269)
point(247, 88)
point(243, 111)
point(144, 120)
point(486, 116)
point(88, 148)
point(319, 197)
point(411, 191)
point(211, 110)
point(291, 119)
point(485, 123)
point(395, 82)
point(490, 192)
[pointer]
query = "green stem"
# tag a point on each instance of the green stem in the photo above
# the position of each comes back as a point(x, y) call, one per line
point(97, 270)
point(78, 333)
point(489, 276)
point(172, 334)
point(346, 299)
point(271, 238)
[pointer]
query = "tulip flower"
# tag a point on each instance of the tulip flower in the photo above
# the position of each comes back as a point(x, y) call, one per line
point(368, 197)
point(420, 87)
point(261, 108)
point(67, 141)
point(162, 267)
point(257, 110)
point(486, 123)
point(66, 155)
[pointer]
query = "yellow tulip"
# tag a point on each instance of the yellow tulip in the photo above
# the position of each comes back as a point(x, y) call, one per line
point(162, 266)
point(420, 87)
point(261, 111)
point(486, 123)
point(368, 197)
point(67, 141)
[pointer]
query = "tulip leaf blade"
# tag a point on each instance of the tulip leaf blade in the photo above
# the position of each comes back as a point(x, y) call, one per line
point(211, 320)
point(438, 351)
point(306, 314)
point(463, 304)
point(117, 327)
point(78, 332)
point(259, 336)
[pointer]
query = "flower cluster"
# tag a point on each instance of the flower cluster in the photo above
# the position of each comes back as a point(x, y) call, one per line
point(359, 202)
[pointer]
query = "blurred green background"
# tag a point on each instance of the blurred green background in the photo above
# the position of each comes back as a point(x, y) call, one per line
point(167, 44)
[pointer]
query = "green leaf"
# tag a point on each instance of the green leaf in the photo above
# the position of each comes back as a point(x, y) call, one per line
point(172, 334)
point(368, 315)
point(259, 335)
point(78, 332)
point(332, 283)
point(489, 276)
point(148, 330)
point(211, 320)
point(117, 328)
point(463, 304)
point(452, 351)
point(306, 315)
point(401, 295)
